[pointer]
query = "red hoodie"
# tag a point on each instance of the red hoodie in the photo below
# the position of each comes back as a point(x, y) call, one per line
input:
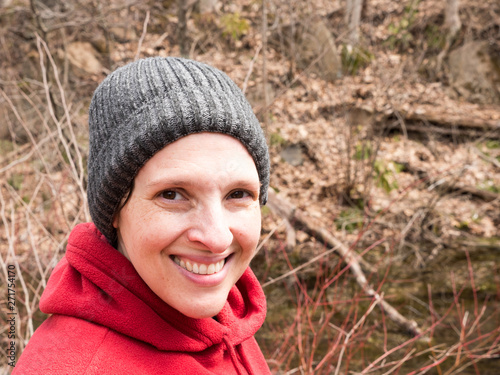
point(106, 320)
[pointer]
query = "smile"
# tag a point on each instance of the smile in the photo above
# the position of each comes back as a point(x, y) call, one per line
point(200, 268)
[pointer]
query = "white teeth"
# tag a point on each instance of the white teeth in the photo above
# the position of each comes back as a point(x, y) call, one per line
point(201, 269)
point(210, 269)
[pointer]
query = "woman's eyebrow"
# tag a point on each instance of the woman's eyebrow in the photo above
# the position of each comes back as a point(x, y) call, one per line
point(239, 183)
point(244, 183)
point(168, 181)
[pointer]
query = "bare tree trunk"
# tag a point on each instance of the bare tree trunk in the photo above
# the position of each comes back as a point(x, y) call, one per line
point(452, 24)
point(353, 18)
point(264, 67)
point(182, 8)
point(451, 18)
point(348, 11)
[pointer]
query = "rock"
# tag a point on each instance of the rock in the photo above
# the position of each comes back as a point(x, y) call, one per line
point(5, 3)
point(82, 55)
point(317, 40)
point(293, 155)
point(123, 34)
point(206, 6)
point(359, 117)
point(99, 42)
point(312, 43)
point(475, 73)
point(256, 96)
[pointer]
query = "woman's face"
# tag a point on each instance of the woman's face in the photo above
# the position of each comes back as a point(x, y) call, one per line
point(192, 222)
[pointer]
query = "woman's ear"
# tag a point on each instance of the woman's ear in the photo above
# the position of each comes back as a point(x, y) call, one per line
point(116, 218)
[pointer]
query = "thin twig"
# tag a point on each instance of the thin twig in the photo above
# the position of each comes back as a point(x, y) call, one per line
point(25, 157)
point(351, 332)
point(297, 269)
point(143, 35)
point(250, 69)
point(79, 174)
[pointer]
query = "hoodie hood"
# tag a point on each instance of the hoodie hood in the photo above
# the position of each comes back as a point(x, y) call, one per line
point(95, 282)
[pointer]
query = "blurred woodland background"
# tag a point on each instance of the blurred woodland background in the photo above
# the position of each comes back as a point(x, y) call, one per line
point(380, 249)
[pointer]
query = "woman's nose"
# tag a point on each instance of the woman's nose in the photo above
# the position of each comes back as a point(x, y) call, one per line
point(211, 229)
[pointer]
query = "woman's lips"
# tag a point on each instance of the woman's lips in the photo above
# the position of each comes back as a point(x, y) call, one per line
point(204, 279)
point(199, 268)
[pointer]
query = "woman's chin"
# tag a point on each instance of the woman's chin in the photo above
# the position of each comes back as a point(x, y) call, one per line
point(202, 313)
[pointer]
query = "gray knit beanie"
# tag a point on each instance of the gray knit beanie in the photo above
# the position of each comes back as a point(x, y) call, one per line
point(145, 105)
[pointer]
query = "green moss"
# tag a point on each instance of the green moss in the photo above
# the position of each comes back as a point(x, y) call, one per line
point(234, 26)
point(6, 146)
point(400, 34)
point(385, 174)
point(363, 150)
point(489, 186)
point(16, 181)
point(349, 220)
point(354, 58)
point(435, 37)
point(265, 210)
point(276, 139)
point(492, 144)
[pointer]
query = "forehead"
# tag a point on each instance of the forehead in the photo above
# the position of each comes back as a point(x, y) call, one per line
point(205, 154)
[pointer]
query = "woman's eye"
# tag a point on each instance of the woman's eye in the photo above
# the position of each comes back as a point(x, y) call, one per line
point(171, 195)
point(239, 194)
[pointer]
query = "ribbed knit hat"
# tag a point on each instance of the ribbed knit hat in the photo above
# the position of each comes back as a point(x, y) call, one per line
point(145, 105)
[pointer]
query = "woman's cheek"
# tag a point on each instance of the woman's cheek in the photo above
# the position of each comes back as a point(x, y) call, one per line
point(252, 228)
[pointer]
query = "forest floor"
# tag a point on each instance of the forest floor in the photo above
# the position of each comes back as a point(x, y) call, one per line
point(360, 156)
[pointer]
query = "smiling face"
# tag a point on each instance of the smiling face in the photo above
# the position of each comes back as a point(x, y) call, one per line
point(192, 222)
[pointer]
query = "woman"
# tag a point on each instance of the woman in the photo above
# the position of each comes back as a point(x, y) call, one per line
point(159, 283)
